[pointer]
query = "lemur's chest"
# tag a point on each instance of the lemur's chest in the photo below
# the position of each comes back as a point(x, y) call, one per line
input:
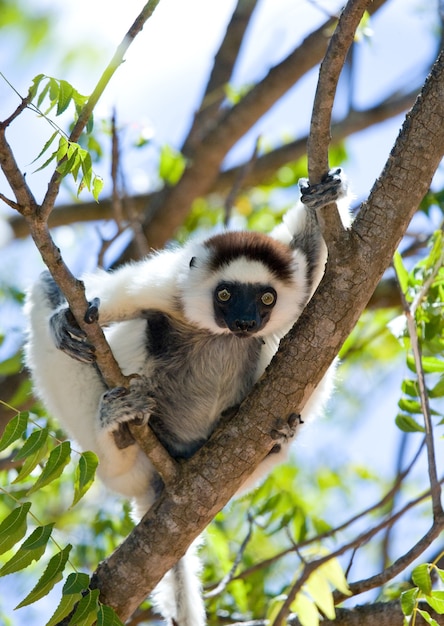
point(196, 376)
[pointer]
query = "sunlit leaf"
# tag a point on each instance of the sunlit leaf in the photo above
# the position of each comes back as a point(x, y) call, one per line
point(74, 586)
point(55, 464)
point(86, 612)
point(436, 601)
point(401, 272)
point(333, 572)
point(421, 578)
point(320, 591)
point(306, 610)
point(52, 575)
point(408, 600)
point(97, 187)
point(14, 430)
point(84, 476)
point(35, 441)
point(407, 424)
point(13, 527)
point(428, 618)
point(65, 95)
point(32, 549)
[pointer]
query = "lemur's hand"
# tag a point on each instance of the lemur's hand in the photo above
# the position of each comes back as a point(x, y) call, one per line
point(332, 187)
point(69, 337)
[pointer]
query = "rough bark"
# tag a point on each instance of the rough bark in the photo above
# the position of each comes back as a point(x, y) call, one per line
point(360, 257)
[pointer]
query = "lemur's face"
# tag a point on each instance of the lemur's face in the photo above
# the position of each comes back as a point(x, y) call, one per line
point(246, 284)
point(243, 308)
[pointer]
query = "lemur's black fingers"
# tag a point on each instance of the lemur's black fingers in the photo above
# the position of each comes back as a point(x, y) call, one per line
point(331, 188)
point(70, 338)
point(92, 312)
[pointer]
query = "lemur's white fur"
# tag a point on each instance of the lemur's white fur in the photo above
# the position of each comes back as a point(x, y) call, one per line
point(165, 282)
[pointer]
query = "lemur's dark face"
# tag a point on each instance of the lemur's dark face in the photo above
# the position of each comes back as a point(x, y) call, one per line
point(243, 308)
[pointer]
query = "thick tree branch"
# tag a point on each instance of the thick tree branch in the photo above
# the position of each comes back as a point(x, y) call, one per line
point(211, 477)
point(262, 171)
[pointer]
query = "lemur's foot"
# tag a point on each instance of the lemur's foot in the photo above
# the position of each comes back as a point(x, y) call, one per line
point(121, 405)
point(284, 431)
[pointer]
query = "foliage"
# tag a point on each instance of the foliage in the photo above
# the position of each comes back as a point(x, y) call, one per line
point(282, 544)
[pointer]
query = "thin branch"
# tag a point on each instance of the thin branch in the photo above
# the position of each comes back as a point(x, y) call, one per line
point(85, 114)
point(242, 174)
point(341, 527)
point(265, 167)
point(319, 138)
point(222, 585)
point(425, 406)
point(388, 574)
point(329, 72)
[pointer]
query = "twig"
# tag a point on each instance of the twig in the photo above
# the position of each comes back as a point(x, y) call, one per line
point(337, 529)
point(375, 581)
point(85, 114)
point(330, 70)
point(319, 137)
point(242, 174)
point(425, 406)
point(230, 575)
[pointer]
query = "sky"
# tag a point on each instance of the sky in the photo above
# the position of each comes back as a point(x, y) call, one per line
point(164, 75)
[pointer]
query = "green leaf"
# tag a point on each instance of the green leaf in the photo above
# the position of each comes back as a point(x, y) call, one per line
point(428, 618)
point(13, 527)
point(106, 616)
point(86, 612)
point(438, 390)
point(35, 85)
point(73, 588)
point(306, 610)
point(408, 601)
point(436, 601)
point(87, 170)
point(30, 463)
point(421, 578)
point(84, 476)
point(63, 148)
point(46, 146)
point(410, 388)
point(407, 424)
point(401, 272)
point(410, 406)
point(319, 589)
point(334, 573)
point(14, 430)
point(32, 549)
point(97, 187)
point(65, 96)
point(172, 165)
point(430, 364)
point(55, 465)
point(43, 93)
point(35, 441)
point(52, 575)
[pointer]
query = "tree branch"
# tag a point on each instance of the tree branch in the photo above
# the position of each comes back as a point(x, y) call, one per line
point(217, 470)
point(319, 137)
point(263, 169)
point(224, 62)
